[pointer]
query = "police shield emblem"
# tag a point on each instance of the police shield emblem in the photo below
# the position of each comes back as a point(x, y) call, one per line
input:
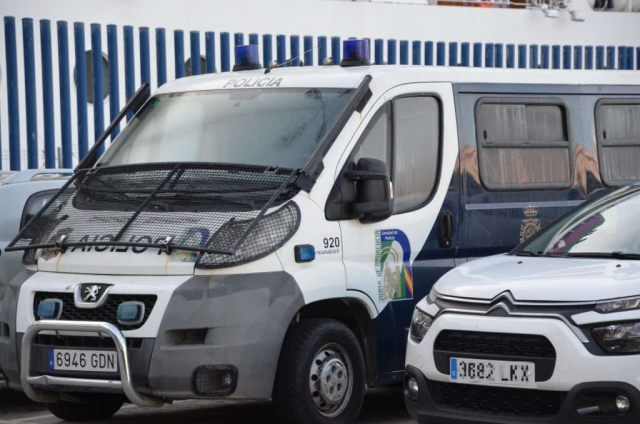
point(530, 225)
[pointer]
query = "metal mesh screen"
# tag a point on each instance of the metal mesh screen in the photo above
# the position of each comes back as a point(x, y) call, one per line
point(208, 208)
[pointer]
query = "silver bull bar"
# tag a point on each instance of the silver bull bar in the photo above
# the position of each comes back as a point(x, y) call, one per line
point(125, 384)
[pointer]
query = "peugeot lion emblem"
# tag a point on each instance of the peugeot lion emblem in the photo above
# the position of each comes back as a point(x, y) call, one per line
point(91, 295)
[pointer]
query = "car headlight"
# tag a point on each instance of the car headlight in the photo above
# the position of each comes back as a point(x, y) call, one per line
point(618, 305)
point(420, 324)
point(619, 338)
point(267, 236)
point(433, 296)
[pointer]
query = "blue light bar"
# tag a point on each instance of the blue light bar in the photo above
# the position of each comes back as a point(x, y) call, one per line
point(247, 58)
point(356, 53)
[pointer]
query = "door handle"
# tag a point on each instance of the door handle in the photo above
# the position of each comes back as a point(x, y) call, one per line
point(445, 229)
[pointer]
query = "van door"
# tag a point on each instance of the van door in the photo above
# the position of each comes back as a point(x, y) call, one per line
point(397, 260)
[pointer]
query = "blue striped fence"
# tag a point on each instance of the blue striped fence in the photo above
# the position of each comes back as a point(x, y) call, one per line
point(499, 55)
point(76, 53)
point(30, 92)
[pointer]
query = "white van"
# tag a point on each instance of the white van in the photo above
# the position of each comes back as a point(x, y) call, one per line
point(266, 233)
point(549, 333)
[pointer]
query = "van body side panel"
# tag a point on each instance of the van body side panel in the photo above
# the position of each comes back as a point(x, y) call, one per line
point(495, 221)
point(246, 317)
point(432, 262)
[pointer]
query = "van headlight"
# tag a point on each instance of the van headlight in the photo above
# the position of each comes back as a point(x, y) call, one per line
point(618, 305)
point(420, 324)
point(267, 236)
point(619, 338)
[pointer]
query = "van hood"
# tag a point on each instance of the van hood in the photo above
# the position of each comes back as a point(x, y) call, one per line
point(543, 279)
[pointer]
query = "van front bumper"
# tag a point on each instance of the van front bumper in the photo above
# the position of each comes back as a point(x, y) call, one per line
point(243, 320)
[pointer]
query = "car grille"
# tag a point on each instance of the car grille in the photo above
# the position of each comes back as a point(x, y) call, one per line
point(497, 400)
point(106, 313)
point(83, 342)
point(512, 345)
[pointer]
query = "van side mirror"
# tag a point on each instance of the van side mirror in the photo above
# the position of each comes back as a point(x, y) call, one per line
point(374, 201)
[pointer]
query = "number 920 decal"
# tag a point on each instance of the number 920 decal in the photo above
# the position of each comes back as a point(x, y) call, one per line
point(331, 246)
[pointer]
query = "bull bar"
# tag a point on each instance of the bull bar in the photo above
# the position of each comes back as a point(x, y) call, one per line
point(124, 385)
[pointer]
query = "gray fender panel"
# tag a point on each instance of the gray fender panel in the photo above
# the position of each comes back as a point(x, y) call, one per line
point(247, 317)
point(9, 361)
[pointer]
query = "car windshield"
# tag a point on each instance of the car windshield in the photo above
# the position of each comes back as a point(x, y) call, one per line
point(604, 227)
point(271, 127)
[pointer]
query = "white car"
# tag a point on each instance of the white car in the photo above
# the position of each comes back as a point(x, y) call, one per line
point(549, 333)
point(22, 194)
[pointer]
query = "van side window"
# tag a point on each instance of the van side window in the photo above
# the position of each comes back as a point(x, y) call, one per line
point(375, 142)
point(618, 128)
point(410, 146)
point(523, 145)
point(416, 137)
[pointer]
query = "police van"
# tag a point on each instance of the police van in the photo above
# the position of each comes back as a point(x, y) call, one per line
point(266, 234)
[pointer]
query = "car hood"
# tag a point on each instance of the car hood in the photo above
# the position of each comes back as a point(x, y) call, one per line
point(543, 279)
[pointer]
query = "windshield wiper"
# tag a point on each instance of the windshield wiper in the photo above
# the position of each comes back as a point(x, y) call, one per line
point(604, 255)
point(534, 254)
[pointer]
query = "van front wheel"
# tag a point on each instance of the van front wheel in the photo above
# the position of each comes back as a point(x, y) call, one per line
point(321, 376)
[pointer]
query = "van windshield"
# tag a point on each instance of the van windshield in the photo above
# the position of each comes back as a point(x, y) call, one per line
point(278, 127)
point(605, 227)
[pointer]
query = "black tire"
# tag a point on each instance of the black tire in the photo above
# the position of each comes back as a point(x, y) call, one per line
point(90, 411)
point(293, 400)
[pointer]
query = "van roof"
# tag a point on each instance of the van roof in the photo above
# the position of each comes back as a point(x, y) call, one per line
point(339, 77)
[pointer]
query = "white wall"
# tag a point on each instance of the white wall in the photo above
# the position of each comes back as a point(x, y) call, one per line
point(301, 17)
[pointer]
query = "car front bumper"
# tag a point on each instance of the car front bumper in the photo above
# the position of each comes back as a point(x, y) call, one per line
point(427, 409)
point(578, 377)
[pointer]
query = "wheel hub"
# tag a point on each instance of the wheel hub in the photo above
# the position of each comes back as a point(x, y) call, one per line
point(331, 380)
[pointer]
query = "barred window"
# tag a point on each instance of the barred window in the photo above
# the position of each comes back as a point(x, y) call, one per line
point(618, 128)
point(523, 145)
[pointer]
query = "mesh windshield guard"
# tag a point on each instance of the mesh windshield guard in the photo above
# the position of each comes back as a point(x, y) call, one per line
point(206, 208)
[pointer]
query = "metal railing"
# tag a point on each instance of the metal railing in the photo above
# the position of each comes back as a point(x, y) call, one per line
point(291, 50)
point(35, 387)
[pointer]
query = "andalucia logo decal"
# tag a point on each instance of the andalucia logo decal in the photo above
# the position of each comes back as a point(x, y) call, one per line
point(393, 265)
